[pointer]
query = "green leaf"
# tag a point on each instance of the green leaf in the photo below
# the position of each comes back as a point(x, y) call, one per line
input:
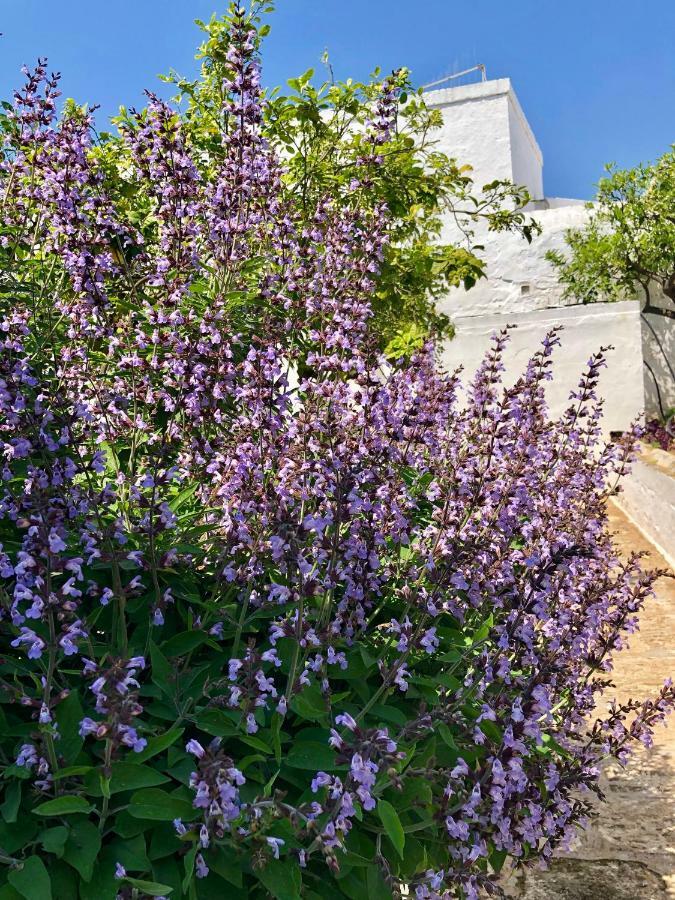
point(54, 839)
point(82, 848)
point(216, 722)
point(12, 801)
point(15, 836)
point(282, 878)
point(64, 880)
point(447, 736)
point(392, 825)
point(31, 880)
point(7, 892)
point(131, 853)
point(257, 743)
point(161, 671)
point(155, 804)
point(152, 888)
point(71, 771)
point(225, 863)
point(158, 744)
point(275, 731)
point(163, 842)
point(377, 888)
point(103, 885)
point(68, 715)
point(127, 776)
point(63, 806)
point(184, 642)
point(310, 704)
point(189, 866)
point(310, 755)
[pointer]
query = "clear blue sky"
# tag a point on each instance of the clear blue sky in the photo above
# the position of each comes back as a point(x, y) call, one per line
point(596, 78)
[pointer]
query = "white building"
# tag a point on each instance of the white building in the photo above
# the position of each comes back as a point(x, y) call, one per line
point(484, 126)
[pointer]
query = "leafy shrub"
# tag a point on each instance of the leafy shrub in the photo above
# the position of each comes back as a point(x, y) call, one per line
point(319, 130)
point(278, 618)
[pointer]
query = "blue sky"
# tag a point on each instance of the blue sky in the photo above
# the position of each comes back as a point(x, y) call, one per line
point(596, 78)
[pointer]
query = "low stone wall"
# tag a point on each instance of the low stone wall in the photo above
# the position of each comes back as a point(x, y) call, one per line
point(648, 499)
point(586, 329)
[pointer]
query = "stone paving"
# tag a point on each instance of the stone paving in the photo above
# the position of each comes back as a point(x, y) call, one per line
point(629, 851)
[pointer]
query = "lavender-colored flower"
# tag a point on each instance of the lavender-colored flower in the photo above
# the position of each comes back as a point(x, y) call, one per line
point(275, 844)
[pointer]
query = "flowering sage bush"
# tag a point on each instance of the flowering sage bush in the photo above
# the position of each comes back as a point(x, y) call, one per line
point(278, 618)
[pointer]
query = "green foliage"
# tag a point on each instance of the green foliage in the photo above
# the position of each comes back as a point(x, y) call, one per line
point(319, 131)
point(629, 240)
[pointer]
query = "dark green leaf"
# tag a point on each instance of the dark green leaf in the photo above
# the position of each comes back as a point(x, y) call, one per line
point(310, 755)
point(54, 839)
point(155, 804)
point(127, 776)
point(161, 671)
point(15, 836)
point(12, 801)
point(63, 806)
point(184, 642)
point(131, 853)
point(392, 825)
point(31, 880)
point(82, 848)
point(152, 888)
point(68, 715)
point(158, 744)
point(64, 881)
point(282, 879)
point(225, 863)
point(377, 888)
point(216, 722)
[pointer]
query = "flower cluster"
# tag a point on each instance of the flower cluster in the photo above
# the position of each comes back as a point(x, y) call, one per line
point(216, 785)
point(117, 699)
point(385, 606)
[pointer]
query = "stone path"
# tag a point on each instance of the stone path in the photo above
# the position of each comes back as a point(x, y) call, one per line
point(629, 851)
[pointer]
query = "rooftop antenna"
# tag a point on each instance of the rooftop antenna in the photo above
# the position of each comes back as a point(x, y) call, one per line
point(479, 68)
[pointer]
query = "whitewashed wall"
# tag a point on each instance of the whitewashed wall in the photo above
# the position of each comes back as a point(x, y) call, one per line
point(484, 126)
point(586, 329)
point(519, 277)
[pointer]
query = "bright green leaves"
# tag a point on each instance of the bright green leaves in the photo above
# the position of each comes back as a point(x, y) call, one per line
point(628, 240)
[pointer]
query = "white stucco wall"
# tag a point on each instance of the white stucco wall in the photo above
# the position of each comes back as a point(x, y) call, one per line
point(475, 129)
point(485, 127)
point(519, 277)
point(586, 329)
point(526, 157)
